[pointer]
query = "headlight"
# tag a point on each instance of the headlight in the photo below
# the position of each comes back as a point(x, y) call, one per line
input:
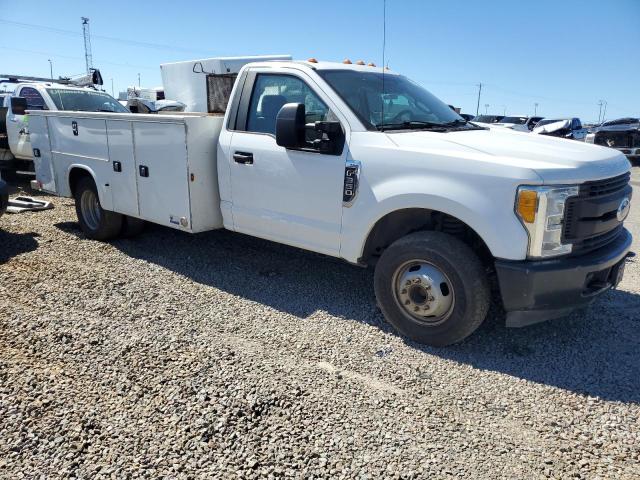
point(541, 210)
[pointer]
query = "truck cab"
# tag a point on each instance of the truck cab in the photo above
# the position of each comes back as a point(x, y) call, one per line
point(561, 127)
point(519, 123)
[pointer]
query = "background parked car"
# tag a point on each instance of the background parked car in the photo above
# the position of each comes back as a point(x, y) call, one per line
point(521, 123)
point(561, 127)
point(488, 118)
point(622, 134)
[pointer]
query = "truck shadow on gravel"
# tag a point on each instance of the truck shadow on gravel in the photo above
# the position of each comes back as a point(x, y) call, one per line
point(593, 352)
point(13, 244)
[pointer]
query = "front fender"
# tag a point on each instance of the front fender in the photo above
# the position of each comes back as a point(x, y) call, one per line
point(488, 211)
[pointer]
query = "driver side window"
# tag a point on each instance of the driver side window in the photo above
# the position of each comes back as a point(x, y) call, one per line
point(271, 92)
point(34, 99)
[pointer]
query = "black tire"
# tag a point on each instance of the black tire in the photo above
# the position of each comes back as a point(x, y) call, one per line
point(106, 225)
point(463, 271)
point(10, 176)
point(132, 226)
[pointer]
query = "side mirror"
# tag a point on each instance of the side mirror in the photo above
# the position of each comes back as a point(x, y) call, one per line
point(290, 126)
point(18, 105)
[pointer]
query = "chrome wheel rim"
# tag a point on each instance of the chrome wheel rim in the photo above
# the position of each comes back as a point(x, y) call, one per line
point(423, 292)
point(90, 207)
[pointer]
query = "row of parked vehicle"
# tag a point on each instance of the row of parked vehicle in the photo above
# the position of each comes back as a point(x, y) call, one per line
point(622, 134)
point(557, 127)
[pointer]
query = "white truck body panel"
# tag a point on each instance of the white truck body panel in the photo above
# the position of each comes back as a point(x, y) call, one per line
point(183, 84)
point(179, 188)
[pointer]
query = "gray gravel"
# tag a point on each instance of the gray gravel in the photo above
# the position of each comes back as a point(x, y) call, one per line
point(219, 355)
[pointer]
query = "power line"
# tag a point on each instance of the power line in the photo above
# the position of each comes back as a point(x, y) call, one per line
point(156, 46)
point(56, 55)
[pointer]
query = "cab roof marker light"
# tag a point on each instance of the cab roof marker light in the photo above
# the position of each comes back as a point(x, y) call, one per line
point(312, 60)
point(360, 62)
point(346, 61)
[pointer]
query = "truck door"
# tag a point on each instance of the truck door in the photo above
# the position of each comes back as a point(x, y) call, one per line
point(18, 125)
point(578, 132)
point(290, 196)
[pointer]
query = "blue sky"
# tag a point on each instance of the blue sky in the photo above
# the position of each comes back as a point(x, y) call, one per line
point(565, 55)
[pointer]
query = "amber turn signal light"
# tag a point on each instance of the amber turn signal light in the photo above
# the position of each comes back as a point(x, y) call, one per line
point(527, 205)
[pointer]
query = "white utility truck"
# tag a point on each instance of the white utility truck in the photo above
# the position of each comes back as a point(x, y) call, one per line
point(33, 93)
point(361, 164)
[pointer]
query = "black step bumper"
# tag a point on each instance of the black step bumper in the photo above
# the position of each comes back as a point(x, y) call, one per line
point(535, 291)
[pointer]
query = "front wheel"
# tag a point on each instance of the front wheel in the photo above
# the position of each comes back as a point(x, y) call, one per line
point(96, 222)
point(432, 288)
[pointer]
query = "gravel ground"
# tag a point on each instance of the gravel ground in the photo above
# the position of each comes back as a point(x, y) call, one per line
point(219, 355)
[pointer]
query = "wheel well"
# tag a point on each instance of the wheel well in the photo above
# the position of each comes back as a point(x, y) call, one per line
point(396, 225)
point(75, 175)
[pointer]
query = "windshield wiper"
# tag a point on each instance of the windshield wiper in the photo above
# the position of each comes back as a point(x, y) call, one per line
point(455, 123)
point(413, 124)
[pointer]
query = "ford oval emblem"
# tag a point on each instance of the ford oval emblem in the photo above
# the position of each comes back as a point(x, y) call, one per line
point(623, 209)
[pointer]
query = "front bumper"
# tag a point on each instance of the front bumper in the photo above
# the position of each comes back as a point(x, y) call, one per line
point(630, 152)
point(535, 291)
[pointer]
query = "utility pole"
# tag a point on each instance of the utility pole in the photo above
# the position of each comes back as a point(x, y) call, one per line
point(138, 80)
point(504, 110)
point(479, 92)
point(50, 69)
point(112, 94)
point(486, 108)
point(88, 60)
point(604, 112)
point(600, 103)
point(535, 109)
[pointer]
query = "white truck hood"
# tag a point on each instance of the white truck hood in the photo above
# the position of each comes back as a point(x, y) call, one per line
point(555, 160)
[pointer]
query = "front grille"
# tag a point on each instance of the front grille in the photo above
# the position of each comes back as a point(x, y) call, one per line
point(593, 243)
point(590, 217)
point(614, 139)
point(600, 188)
point(627, 139)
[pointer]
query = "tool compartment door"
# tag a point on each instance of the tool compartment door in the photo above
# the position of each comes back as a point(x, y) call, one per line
point(162, 173)
point(124, 188)
point(42, 153)
point(81, 141)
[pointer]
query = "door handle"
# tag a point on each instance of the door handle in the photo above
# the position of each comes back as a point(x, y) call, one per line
point(144, 170)
point(243, 157)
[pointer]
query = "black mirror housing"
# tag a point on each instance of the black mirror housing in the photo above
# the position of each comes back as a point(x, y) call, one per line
point(290, 126)
point(18, 105)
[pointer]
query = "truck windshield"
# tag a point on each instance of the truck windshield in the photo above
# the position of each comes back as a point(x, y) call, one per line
point(404, 104)
point(84, 101)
